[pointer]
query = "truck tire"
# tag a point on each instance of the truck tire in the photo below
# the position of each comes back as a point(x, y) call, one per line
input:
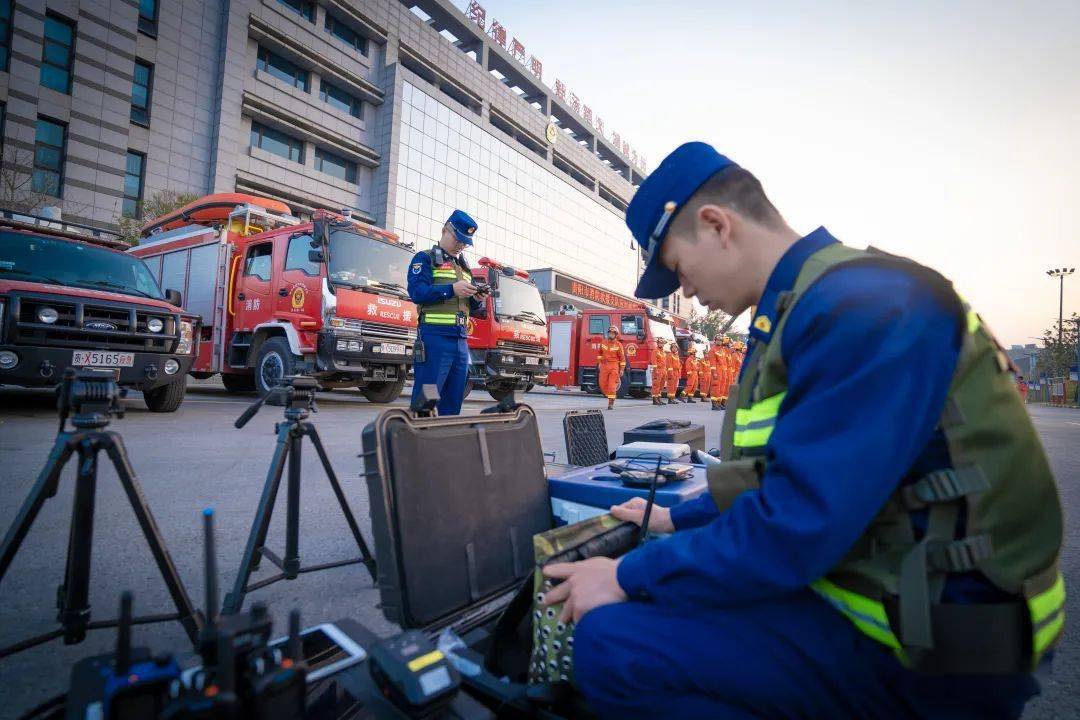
point(498, 392)
point(624, 386)
point(166, 398)
point(383, 392)
point(529, 387)
point(237, 382)
point(275, 361)
point(638, 393)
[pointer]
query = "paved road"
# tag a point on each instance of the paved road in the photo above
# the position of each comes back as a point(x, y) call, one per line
point(194, 458)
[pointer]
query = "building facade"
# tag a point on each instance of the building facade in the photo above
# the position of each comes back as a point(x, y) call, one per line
point(401, 111)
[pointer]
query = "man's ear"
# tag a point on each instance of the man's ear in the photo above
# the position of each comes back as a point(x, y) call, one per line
point(714, 222)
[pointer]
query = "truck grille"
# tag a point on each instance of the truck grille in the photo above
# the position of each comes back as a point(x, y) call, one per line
point(521, 347)
point(92, 324)
point(385, 330)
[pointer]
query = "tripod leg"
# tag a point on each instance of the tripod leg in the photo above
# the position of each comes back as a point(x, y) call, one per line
point(257, 536)
point(365, 553)
point(292, 507)
point(44, 488)
point(73, 599)
point(189, 617)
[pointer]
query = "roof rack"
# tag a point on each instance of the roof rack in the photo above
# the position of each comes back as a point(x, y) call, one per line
point(74, 231)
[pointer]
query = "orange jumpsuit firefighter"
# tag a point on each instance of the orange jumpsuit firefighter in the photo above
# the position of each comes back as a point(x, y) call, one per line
point(692, 372)
point(659, 370)
point(612, 363)
point(705, 375)
point(674, 372)
point(717, 388)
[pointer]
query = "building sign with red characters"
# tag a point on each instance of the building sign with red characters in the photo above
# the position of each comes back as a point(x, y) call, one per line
point(584, 290)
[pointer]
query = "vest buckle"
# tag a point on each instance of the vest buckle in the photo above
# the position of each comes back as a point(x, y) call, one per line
point(961, 555)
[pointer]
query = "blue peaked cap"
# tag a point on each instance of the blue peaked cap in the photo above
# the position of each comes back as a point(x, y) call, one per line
point(463, 225)
point(656, 202)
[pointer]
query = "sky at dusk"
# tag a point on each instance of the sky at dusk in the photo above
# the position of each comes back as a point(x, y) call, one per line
point(948, 132)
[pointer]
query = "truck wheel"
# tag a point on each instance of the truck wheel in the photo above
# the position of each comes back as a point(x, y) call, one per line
point(529, 387)
point(624, 386)
point(275, 362)
point(238, 382)
point(468, 389)
point(498, 392)
point(638, 393)
point(166, 398)
point(383, 392)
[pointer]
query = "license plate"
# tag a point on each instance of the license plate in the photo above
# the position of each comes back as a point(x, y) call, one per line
point(532, 361)
point(393, 349)
point(102, 358)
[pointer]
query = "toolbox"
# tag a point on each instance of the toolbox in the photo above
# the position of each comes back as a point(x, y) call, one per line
point(668, 431)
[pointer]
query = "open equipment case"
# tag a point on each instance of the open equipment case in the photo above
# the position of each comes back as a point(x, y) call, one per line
point(455, 503)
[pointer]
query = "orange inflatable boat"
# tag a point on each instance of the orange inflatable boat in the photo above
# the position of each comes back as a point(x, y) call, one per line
point(211, 210)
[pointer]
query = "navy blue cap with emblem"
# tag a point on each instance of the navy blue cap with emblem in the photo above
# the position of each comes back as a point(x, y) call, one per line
point(656, 202)
point(464, 227)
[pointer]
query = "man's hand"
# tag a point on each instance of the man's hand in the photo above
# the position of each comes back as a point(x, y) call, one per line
point(633, 510)
point(586, 585)
point(464, 289)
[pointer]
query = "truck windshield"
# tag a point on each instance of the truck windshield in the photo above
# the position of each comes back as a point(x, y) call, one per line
point(519, 300)
point(37, 258)
point(661, 330)
point(359, 260)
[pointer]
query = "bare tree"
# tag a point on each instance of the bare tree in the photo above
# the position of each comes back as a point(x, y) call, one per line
point(159, 203)
point(710, 323)
point(17, 191)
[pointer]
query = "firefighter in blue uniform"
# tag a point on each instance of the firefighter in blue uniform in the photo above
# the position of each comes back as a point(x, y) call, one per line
point(440, 283)
point(881, 537)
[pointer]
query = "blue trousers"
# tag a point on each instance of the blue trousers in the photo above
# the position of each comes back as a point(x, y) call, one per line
point(795, 657)
point(446, 366)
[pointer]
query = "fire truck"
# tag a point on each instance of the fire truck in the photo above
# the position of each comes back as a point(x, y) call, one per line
point(576, 337)
point(279, 296)
point(71, 297)
point(509, 346)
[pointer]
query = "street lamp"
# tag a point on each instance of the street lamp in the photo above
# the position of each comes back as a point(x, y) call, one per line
point(1060, 274)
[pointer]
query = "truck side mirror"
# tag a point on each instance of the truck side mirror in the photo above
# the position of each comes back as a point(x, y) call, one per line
point(174, 297)
point(316, 256)
point(641, 335)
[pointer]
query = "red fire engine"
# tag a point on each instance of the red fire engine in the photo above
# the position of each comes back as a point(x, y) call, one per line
point(575, 339)
point(279, 296)
point(509, 346)
point(73, 298)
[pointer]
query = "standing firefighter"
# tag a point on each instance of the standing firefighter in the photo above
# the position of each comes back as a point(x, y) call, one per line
point(674, 370)
point(612, 364)
point(692, 372)
point(881, 539)
point(659, 370)
point(440, 283)
point(720, 368)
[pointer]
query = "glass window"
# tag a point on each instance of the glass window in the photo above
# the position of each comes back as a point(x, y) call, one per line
point(343, 101)
point(148, 10)
point(284, 70)
point(598, 324)
point(174, 271)
point(346, 34)
point(49, 144)
point(303, 8)
point(277, 142)
point(632, 324)
point(257, 262)
point(140, 93)
point(199, 296)
point(133, 183)
point(335, 165)
point(57, 53)
point(5, 33)
point(296, 257)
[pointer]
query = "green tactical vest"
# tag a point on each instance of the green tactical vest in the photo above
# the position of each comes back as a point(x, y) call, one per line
point(455, 310)
point(1000, 484)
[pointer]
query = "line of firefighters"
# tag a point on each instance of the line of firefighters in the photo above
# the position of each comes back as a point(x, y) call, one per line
point(707, 377)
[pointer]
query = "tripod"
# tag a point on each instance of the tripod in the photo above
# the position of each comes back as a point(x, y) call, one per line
point(72, 598)
point(299, 402)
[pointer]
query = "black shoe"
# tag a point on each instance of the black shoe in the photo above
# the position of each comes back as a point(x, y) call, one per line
point(672, 402)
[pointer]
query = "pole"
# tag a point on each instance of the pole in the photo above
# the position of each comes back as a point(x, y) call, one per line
point(1061, 305)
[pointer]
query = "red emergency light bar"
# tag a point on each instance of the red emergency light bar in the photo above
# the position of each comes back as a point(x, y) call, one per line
point(363, 227)
point(505, 269)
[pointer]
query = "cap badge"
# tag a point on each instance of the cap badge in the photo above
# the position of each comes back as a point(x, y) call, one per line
point(762, 323)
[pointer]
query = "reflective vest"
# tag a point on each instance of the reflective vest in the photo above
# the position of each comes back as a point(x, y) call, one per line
point(454, 310)
point(890, 583)
point(611, 351)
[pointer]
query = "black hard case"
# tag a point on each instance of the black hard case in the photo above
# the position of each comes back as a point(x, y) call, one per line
point(455, 502)
point(692, 435)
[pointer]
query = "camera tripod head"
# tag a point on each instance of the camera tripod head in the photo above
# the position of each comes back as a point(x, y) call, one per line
point(92, 395)
point(295, 393)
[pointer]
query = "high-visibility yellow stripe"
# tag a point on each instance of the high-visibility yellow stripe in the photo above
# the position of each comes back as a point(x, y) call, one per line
point(444, 273)
point(752, 438)
point(867, 615)
point(754, 425)
point(424, 660)
point(1046, 635)
point(973, 322)
point(1048, 601)
point(761, 410)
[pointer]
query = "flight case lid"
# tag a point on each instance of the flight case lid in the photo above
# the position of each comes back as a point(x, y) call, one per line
point(455, 502)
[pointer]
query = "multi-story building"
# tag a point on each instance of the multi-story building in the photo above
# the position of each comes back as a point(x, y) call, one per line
point(401, 111)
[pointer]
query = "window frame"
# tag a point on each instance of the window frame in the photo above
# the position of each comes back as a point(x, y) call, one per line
point(63, 157)
point(262, 63)
point(332, 21)
point(249, 255)
point(350, 165)
point(260, 130)
point(46, 63)
point(606, 319)
point(137, 200)
point(149, 93)
point(306, 9)
point(306, 240)
point(5, 36)
point(148, 25)
point(356, 106)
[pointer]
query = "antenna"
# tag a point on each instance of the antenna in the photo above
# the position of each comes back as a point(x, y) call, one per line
point(123, 635)
point(210, 567)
